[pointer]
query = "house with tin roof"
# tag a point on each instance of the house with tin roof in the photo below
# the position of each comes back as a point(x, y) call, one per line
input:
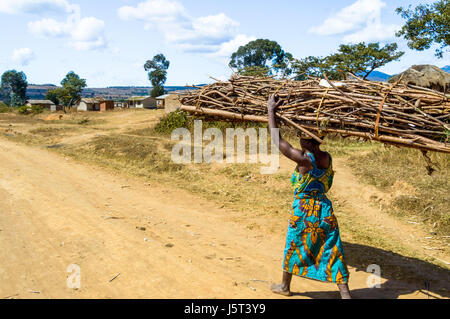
point(46, 104)
point(142, 102)
point(95, 104)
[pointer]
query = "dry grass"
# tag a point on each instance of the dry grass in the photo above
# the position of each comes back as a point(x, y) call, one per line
point(47, 131)
point(421, 197)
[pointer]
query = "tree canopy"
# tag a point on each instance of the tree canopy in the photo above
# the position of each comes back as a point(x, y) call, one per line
point(427, 25)
point(13, 88)
point(70, 92)
point(361, 59)
point(157, 73)
point(57, 96)
point(261, 57)
point(72, 86)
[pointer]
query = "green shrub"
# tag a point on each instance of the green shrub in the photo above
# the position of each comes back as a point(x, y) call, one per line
point(173, 121)
point(180, 119)
point(4, 108)
point(36, 109)
point(24, 110)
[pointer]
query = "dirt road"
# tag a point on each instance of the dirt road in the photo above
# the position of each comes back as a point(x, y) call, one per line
point(131, 239)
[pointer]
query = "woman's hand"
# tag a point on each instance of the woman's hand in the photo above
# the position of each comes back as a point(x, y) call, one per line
point(273, 103)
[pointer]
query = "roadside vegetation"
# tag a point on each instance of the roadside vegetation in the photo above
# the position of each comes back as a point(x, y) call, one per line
point(427, 198)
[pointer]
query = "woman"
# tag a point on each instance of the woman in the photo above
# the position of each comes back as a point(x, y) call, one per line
point(313, 245)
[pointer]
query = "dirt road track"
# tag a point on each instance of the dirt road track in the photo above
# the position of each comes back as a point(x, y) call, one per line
point(55, 212)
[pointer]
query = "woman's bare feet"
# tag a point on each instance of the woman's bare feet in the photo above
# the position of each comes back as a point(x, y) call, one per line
point(280, 289)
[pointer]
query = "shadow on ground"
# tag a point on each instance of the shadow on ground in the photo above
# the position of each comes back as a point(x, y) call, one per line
point(403, 275)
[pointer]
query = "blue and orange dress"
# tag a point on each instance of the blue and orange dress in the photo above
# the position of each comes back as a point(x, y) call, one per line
point(313, 246)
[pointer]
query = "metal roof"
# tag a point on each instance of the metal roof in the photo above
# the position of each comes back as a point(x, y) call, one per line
point(40, 102)
point(138, 98)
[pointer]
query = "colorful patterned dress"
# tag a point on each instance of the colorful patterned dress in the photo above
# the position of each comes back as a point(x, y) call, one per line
point(313, 245)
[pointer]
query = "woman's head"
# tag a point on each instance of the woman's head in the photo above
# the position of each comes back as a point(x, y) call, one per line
point(309, 144)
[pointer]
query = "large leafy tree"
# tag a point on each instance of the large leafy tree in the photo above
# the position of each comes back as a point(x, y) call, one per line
point(57, 96)
point(13, 88)
point(311, 66)
point(427, 25)
point(157, 73)
point(361, 59)
point(261, 57)
point(72, 87)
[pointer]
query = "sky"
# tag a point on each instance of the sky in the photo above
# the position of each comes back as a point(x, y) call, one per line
point(107, 42)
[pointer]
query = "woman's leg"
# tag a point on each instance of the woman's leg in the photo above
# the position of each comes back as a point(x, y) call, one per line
point(345, 292)
point(285, 287)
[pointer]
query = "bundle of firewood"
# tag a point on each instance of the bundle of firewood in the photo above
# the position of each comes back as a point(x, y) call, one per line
point(399, 114)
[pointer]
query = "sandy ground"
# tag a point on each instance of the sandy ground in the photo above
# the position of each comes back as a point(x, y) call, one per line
point(131, 239)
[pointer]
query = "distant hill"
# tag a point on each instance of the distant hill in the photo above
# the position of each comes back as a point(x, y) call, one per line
point(446, 68)
point(378, 76)
point(37, 92)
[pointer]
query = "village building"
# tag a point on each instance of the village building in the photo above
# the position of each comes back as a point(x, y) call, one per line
point(119, 104)
point(169, 102)
point(142, 102)
point(95, 104)
point(46, 104)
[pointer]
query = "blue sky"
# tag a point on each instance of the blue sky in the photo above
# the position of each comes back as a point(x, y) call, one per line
point(108, 41)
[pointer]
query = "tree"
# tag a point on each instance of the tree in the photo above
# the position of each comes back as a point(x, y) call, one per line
point(72, 86)
point(14, 88)
point(427, 25)
point(157, 73)
point(262, 57)
point(360, 59)
point(311, 66)
point(57, 95)
point(363, 59)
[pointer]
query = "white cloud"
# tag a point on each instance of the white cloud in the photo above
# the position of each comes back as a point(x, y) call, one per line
point(360, 21)
point(226, 49)
point(161, 11)
point(83, 33)
point(202, 35)
point(372, 32)
point(23, 56)
point(34, 6)
point(48, 28)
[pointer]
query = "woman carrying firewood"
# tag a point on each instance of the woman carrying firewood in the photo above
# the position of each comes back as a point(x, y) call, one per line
point(313, 245)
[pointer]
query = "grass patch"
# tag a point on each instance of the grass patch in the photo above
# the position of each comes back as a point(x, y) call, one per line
point(5, 108)
point(422, 197)
point(53, 131)
point(144, 155)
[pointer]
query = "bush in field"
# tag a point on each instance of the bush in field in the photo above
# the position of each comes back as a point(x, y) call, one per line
point(179, 119)
point(4, 108)
point(23, 110)
point(173, 121)
point(37, 109)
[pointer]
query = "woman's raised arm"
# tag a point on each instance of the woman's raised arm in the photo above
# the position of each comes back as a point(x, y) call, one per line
point(285, 148)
